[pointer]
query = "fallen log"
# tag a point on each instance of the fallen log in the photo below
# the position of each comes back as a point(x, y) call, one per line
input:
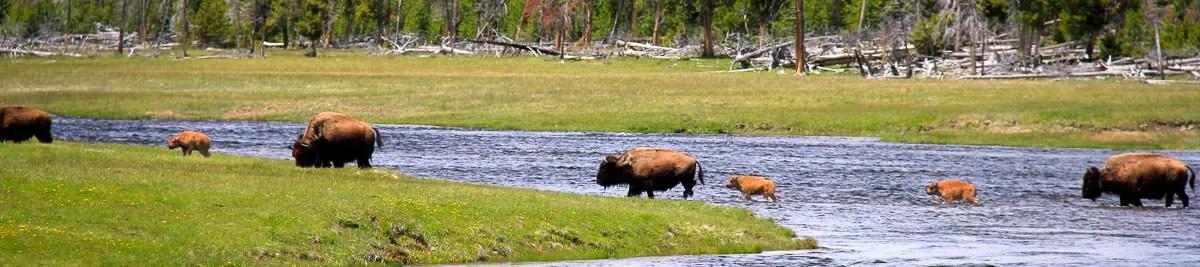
point(1166, 82)
point(526, 47)
point(17, 51)
point(1043, 75)
point(644, 46)
point(745, 59)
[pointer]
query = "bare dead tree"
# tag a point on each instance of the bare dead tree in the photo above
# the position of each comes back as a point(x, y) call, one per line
point(800, 53)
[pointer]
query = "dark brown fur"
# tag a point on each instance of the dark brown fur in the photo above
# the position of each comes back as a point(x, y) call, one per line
point(650, 169)
point(189, 141)
point(332, 139)
point(19, 123)
point(752, 185)
point(1137, 176)
point(952, 190)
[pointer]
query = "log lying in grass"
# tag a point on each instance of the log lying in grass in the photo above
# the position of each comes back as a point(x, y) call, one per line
point(526, 47)
point(645, 46)
point(23, 52)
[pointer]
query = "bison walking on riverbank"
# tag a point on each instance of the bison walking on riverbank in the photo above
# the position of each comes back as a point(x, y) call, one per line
point(952, 190)
point(19, 123)
point(333, 139)
point(189, 141)
point(1137, 176)
point(647, 169)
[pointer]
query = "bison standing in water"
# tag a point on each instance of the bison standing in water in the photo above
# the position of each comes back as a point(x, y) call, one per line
point(1137, 176)
point(332, 139)
point(650, 169)
point(951, 190)
point(19, 123)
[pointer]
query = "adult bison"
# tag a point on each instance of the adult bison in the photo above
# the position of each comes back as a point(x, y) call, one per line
point(332, 139)
point(647, 170)
point(1137, 176)
point(19, 123)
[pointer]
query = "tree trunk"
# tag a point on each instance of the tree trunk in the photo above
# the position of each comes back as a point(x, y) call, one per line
point(706, 18)
point(762, 32)
point(658, 19)
point(801, 55)
point(587, 23)
point(184, 7)
point(121, 34)
point(451, 22)
point(632, 19)
point(612, 31)
point(862, 15)
point(144, 21)
point(400, 16)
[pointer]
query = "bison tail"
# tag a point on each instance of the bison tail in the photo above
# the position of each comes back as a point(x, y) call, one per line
point(1192, 179)
point(700, 173)
point(378, 138)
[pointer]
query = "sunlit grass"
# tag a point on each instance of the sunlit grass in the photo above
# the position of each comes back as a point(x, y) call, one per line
point(84, 204)
point(628, 95)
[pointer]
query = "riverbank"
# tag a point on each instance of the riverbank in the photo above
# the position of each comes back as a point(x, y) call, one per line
point(72, 203)
point(615, 95)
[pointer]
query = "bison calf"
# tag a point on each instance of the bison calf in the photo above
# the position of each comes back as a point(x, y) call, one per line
point(753, 185)
point(952, 190)
point(189, 141)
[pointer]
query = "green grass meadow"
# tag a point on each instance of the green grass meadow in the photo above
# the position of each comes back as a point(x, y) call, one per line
point(86, 204)
point(626, 95)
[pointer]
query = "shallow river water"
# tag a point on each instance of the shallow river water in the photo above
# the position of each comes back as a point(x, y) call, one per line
point(862, 199)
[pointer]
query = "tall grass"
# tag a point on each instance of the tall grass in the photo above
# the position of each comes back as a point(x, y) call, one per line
point(82, 204)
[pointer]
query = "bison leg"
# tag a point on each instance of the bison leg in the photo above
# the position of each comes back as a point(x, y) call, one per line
point(772, 197)
point(338, 164)
point(1136, 202)
point(186, 151)
point(44, 136)
point(634, 191)
point(748, 197)
point(364, 162)
point(1170, 199)
point(687, 188)
point(1183, 197)
point(650, 193)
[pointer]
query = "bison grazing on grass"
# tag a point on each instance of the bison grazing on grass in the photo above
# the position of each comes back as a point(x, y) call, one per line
point(19, 123)
point(951, 190)
point(753, 185)
point(332, 139)
point(189, 141)
point(1137, 176)
point(650, 169)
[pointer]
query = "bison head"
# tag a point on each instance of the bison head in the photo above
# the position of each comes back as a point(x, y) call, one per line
point(732, 183)
point(304, 154)
point(932, 189)
point(1091, 183)
point(612, 172)
point(173, 142)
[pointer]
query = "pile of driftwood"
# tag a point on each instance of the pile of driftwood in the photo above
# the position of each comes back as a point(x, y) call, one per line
point(999, 59)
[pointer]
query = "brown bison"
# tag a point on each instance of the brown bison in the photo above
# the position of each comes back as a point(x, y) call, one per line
point(189, 141)
point(1137, 176)
point(753, 185)
point(647, 170)
point(952, 190)
point(19, 123)
point(332, 139)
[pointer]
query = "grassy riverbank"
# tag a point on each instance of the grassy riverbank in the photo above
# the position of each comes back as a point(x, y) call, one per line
point(611, 95)
point(84, 204)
